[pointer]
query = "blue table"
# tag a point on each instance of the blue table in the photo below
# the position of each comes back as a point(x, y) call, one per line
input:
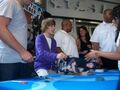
point(99, 81)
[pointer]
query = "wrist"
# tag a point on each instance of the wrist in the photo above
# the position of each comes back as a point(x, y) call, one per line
point(97, 53)
point(21, 50)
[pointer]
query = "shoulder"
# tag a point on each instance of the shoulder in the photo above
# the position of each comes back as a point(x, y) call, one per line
point(98, 28)
point(4, 1)
point(58, 32)
point(41, 36)
point(113, 27)
point(7, 2)
point(40, 39)
point(7, 6)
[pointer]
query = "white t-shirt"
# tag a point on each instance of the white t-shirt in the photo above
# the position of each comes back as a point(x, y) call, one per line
point(67, 43)
point(118, 44)
point(18, 27)
point(104, 34)
point(49, 41)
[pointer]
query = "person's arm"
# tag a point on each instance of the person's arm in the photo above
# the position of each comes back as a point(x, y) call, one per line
point(109, 55)
point(95, 46)
point(95, 38)
point(7, 37)
point(78, 44)
point(59, 50)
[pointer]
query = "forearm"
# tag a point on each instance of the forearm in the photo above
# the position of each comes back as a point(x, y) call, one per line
point(10, 40)
point(109, 55)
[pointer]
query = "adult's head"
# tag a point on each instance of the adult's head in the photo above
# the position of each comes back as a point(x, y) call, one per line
point(25, 2)
point(116, 16)
point(107, 15)
point(83, 32)
point(48, 26)
point(66, 25)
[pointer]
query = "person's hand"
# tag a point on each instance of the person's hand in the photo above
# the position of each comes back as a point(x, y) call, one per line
point(61, 56)
point(85, 52)
point(90, 55)
point(27, 56)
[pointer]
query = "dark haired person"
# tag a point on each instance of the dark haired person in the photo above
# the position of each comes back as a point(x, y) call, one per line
point(110, 55)
point(103, 39)
point(83, 41)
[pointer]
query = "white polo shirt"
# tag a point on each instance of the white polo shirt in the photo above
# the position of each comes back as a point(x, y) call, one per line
point(67, 43)
point(104, 34)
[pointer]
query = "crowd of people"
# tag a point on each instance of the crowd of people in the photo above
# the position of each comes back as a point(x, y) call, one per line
point(52, 46)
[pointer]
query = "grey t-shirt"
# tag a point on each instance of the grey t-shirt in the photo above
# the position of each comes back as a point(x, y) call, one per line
point(18, 27)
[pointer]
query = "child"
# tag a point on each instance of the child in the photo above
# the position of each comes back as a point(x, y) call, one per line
point(45, 46)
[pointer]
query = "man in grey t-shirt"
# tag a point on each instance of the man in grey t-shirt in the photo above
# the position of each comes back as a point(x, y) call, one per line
point(13, 39)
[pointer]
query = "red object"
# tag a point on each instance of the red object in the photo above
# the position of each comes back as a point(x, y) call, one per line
point(23, 82)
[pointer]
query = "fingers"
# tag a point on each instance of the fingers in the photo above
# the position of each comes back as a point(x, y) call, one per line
point(61, 56)
point(87, 57)
point(27, 59)
point(26, 56)
point(90, 55)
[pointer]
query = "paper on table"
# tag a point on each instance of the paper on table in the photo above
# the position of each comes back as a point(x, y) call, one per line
point(42, 72)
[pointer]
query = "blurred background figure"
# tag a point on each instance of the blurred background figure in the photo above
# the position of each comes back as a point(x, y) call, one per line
point(83, 41)
point(84, 46)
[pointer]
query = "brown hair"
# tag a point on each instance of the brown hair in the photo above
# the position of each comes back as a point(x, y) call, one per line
point(47, 22)
point(87, 33)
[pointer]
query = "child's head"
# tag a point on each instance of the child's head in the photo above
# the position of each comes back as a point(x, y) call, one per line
point(46, 23)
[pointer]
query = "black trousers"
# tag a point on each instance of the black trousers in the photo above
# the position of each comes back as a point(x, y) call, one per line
point(109, 64)
point(10, 71)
